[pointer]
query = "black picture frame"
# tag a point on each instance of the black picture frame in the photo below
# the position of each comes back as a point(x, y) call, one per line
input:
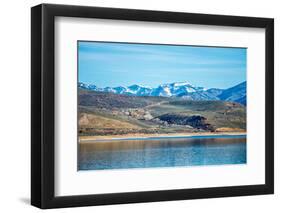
point(43, 102)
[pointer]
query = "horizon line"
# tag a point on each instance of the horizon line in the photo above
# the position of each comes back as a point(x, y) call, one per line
point(141, 85)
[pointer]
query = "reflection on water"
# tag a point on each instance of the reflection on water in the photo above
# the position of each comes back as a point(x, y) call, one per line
point(162, 152)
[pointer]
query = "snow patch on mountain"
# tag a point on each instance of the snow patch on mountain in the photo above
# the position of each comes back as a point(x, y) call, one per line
point(184, 90)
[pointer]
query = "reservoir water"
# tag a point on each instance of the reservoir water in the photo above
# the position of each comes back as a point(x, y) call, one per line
point(162, 152)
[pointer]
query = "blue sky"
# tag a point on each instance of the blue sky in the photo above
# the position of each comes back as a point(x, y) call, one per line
point(114, 64)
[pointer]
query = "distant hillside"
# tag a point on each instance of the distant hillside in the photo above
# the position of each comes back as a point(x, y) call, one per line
point(235, 94)
point(103, 113)
point(182, 90)
point(242, 100)
point(206, 95)
point(110, 100)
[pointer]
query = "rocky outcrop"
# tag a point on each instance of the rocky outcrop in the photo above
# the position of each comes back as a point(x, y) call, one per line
point(196, 121)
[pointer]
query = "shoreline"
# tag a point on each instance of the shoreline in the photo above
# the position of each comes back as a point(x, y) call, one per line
point(104, 138)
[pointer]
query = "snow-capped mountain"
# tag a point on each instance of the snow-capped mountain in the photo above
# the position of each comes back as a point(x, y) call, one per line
point(184, 90)
point(207, 95)
point(165, 90)
point(235, 94)
point(175, 89)
point(87, 86)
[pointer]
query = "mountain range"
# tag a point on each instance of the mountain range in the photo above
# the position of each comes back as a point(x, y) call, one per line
point(183, 90)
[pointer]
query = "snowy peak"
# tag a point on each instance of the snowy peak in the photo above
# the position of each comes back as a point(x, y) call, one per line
point(177, 89)
point(87, 86)
point(184, 90)
point(177, 84)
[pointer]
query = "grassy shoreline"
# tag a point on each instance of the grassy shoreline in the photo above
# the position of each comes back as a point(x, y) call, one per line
point(145, 136)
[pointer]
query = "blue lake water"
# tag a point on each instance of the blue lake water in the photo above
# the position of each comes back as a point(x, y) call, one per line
point(162, 152)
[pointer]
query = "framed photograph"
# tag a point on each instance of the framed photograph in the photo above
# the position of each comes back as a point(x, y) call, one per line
point(139, 106)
